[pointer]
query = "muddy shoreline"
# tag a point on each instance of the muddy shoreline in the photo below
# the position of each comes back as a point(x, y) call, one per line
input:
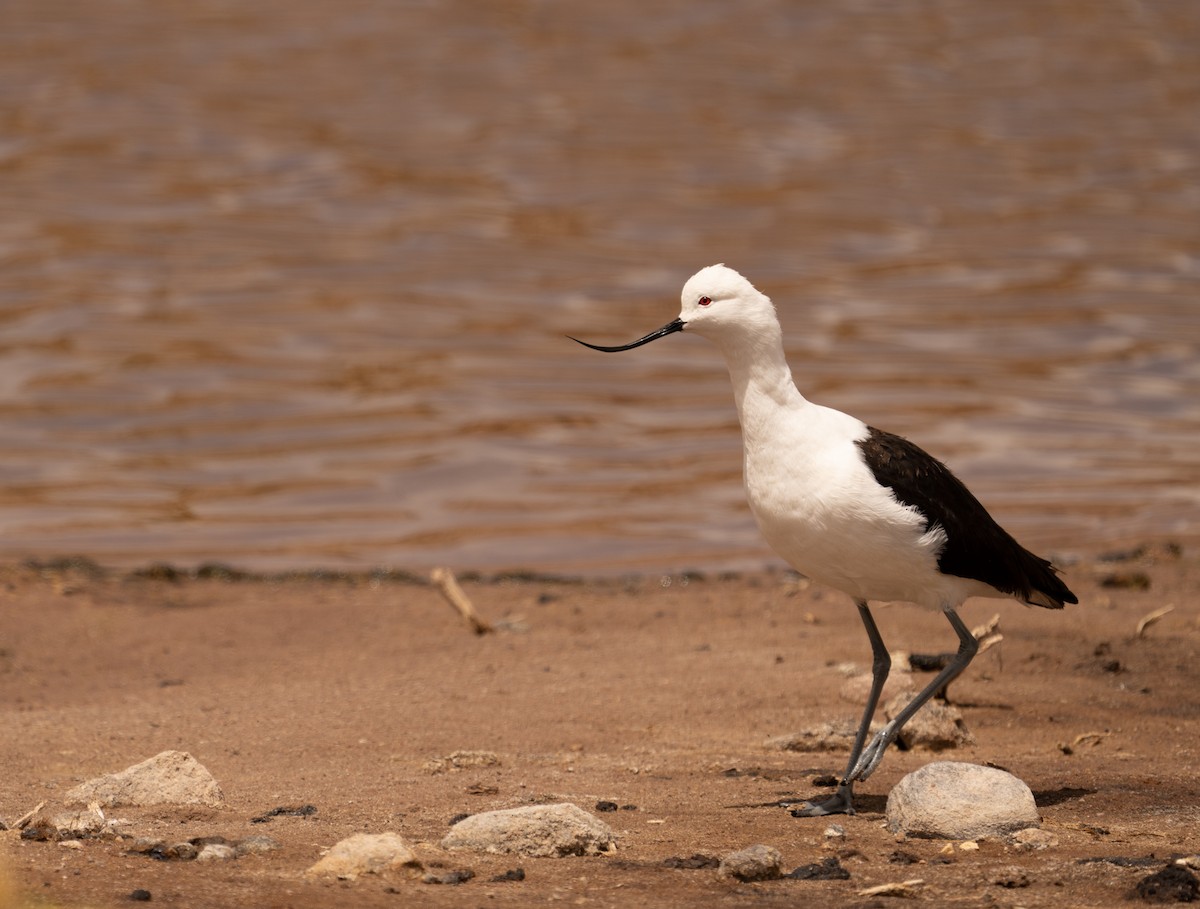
point(656, 694)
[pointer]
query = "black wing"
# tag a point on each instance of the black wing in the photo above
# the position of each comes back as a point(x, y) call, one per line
point(976, 546)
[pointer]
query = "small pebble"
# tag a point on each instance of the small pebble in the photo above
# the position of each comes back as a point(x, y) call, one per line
point(696, 860)
point(216, 852)
point(458, 876)
point(828, 869)
point(1033, 839)
point(513, 874)
point(140, 896)
point(754, 863)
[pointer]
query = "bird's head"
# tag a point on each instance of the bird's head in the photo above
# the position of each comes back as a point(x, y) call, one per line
point(719, 304)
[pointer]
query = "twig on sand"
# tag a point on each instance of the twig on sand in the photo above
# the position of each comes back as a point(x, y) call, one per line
point(443, 579)
point(23, 821)
point(907, 888)
point(1152, 617)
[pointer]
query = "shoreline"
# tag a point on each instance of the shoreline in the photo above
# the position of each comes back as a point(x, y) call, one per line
point(343, 691)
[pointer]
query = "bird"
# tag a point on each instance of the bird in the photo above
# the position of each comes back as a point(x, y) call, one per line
point(853, 507)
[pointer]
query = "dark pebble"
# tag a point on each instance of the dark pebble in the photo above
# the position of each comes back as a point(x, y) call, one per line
point(694, 862)
point(929, 662)
point(900, 857)
point(828, 869)
point(1012, 881)
point(1122, 861)
point(512, 874)
point(459, 876)
point(1173, 884)
point(140, 896)
point(1126, 580)
point(606, 806)
point(285, 811)
point(40, 833)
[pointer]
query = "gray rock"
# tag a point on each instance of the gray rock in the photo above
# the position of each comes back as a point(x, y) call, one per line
point(367, 853)
point(216, 852)
point(253, 845)
point(169, 778)
point(956, 801)
point(935, 727)
point(537, 830)
point(754, 863)
point(831, 736)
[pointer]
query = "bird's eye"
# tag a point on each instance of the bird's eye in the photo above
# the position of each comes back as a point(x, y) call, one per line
point(704, 301)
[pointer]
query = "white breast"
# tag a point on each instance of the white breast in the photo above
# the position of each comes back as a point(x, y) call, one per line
point(821, 509)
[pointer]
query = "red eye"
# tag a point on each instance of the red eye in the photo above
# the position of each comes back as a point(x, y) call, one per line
point(704, 301)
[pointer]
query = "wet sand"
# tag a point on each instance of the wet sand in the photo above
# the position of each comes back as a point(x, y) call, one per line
point(658, 693)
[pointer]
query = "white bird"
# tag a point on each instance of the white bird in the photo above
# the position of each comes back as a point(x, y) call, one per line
point(861, 510)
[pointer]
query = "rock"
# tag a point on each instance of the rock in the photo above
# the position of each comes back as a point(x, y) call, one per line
point(167, 852)
point(69, 825)
point(367, 853)
point(828, 869)
point(285, 811)
point(957, 801)
point(169, 778)
point(831, 736)
point(1173, 884)
point(754, 863)
point(255, 845)
point(1031, 839)
point(216, 852)
point(509, 876)
point(450, 878)
point(935, 727)
point(538, 830)
point(692, 862)
point(89, 822)
point(899, 684)
point(461, 760)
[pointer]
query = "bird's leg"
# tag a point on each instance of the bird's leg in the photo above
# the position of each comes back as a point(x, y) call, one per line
point(842, 801)
point(967, 648)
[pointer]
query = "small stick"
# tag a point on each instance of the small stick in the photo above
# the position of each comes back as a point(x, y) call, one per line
point(23, 821)
point(1150, 618)
point(901, 888)
point(445, 582)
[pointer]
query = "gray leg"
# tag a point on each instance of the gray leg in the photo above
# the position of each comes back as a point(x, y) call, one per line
point(967, 648)
point(842, 801)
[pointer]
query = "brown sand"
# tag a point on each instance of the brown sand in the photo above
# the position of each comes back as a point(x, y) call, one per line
point(338, 692)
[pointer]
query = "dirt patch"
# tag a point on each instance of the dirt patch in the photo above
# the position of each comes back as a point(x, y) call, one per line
point(329, 705)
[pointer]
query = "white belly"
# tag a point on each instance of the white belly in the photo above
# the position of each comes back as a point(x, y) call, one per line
point(844, 530)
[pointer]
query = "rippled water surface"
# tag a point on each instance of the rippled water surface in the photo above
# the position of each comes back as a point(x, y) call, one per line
point(286, 284)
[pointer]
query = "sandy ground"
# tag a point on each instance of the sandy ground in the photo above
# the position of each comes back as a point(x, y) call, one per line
point(337, 692)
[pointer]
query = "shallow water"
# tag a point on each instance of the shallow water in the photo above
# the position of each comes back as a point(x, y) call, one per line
point(287, 284)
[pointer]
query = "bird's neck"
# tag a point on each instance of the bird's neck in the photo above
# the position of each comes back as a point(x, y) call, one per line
point(762, 381)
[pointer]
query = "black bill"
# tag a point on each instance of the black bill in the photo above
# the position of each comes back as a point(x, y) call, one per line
point(669, 329)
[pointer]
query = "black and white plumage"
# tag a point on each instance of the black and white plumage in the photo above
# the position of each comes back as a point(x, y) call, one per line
point(861, 510)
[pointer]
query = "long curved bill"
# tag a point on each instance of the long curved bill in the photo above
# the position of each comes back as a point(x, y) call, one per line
point(669, 329)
